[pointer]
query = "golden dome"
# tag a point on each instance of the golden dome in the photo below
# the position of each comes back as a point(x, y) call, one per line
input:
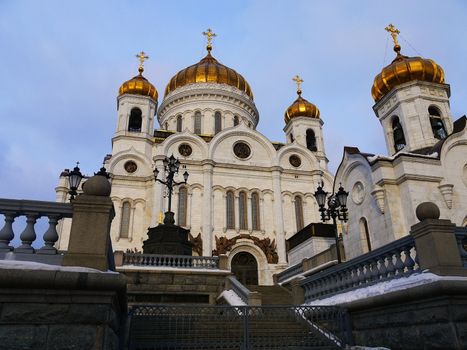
point(300, 107)
point(208, 70)
point(404, 69)
point(138, 85)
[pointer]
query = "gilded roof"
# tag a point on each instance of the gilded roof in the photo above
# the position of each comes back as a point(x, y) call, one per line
point(138, 85)
point(208, 70)
point(301, 108)
point(404, 69)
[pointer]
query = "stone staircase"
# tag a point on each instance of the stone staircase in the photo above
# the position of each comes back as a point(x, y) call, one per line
point(272, 295)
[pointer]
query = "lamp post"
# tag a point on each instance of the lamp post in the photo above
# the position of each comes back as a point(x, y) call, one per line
point(171, 166)
point(74, 179)
point(337, 209)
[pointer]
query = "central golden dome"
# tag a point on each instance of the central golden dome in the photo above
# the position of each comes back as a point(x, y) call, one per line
point(208, 70)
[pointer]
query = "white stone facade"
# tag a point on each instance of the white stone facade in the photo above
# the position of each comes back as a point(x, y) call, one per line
point(214, 170)
point(385, 191)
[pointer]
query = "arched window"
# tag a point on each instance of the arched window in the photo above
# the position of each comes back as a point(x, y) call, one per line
point(230, 210)
point(182, 206)
point(255, 217)
point(291, 138)
point(166, 126)
point(398, 134)
point(436, 122)
point(197, 122)
point(242, 211)
point(236, 120)
point(299, 212)
point(134, 123)
point(365, 236)
point(179, 123)
point(217, 122)
point(125, 220)
point(311, 140)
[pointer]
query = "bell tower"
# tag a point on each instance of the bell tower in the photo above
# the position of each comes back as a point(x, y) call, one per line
point(303, 125)
point(411, 102)
point(136, 105)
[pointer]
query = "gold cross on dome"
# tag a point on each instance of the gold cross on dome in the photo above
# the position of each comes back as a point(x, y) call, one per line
point(141, 57)
point(394, 32)
point(299, 82)
point(209, 34)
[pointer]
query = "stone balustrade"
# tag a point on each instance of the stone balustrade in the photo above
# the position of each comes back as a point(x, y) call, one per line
point(391, 261)
point(32, 210)
point(174, 261)
point(292, 271)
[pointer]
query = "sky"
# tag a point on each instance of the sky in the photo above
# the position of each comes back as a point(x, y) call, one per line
point(62, 63)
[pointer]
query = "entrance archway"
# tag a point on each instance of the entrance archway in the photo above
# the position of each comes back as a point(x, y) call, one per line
point(245, 268)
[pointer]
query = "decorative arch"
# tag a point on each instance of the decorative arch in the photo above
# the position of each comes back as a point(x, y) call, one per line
point(241, 131)
point(132, 153)
point(398, 134)
point(181, 137)
point(436, 122)
point(287, 150)
point(135, 120)
point(250, 247)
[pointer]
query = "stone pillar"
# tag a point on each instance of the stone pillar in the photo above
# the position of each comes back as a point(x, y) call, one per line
point(435, 242)
point(158, 199)
point(208, 166)
point(279, 215)
point(90, 228)
point(298, 293)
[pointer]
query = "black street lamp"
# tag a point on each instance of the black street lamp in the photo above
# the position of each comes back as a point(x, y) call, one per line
point(337, 209)
point(74, 179)
point(171, 166)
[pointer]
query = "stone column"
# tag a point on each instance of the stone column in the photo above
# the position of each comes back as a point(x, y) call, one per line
point(158, 199)
point(436, 243)
point(90, 228)
point(208, 166)
point(278, 214)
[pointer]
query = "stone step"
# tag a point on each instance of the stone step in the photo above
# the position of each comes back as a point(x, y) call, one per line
point(273, 295)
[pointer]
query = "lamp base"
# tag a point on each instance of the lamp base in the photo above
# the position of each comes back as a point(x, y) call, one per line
point(168, 239)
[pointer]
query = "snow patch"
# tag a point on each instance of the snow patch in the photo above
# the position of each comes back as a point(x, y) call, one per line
point(31, 265)
point(380, 288)
point(374, 158)
point(232, 298)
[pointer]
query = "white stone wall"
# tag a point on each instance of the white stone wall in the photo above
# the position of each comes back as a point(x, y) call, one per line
point(309, 248)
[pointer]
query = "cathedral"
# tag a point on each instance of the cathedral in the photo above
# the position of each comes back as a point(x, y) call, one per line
point(247, 195)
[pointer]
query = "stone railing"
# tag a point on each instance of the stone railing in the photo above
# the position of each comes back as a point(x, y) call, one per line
point(247, 296)
point(292, 271)
point(391, 261)
point(32, 210)
point(175, 261)
point(461, 238)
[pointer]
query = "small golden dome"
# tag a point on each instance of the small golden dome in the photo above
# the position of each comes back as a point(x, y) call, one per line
point(208, 70)
point(138, 85)
point(300, 107)
point(404, 69)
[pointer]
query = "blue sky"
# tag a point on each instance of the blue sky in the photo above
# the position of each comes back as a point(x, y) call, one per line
point(62, 63)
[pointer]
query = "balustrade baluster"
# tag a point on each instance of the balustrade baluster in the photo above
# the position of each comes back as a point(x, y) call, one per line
point(383, 271)
point(7, 234)
point(374, 270)
point(28, 235)
point(399, 264)
point(408, 262)
point(50, 236)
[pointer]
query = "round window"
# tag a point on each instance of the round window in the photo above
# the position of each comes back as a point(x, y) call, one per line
point(242, 150)
point(130, 166)
point(295, 160)
point(185, 150)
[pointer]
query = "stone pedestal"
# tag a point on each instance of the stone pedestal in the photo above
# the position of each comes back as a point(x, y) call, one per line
point(168, 239)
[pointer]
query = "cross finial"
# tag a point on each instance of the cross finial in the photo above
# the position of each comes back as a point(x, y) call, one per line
point(299, 82)
point(394, 32)
point(209, 34)
point(141, 57)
